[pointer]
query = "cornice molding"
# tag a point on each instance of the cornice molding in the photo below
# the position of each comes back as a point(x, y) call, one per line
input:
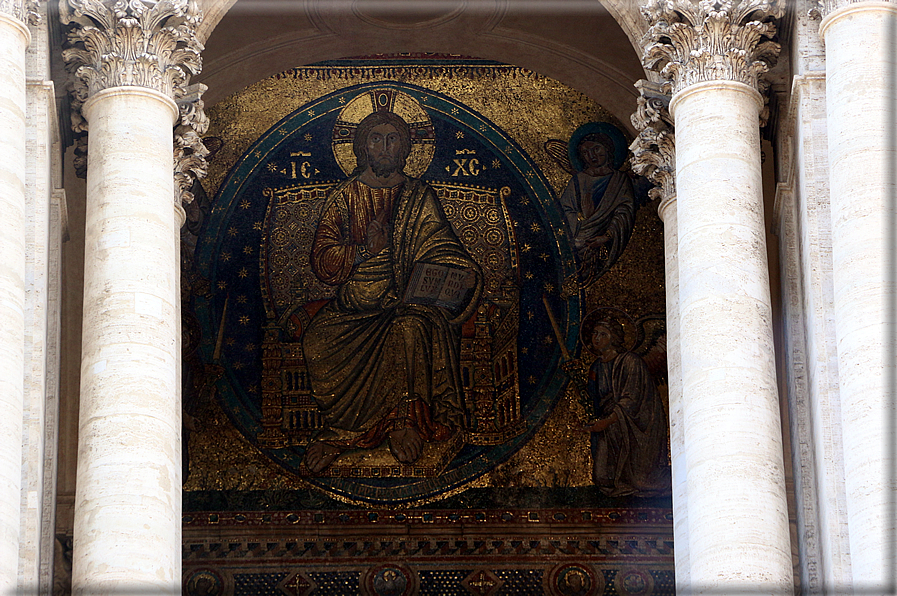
point(654, 149)
point(695, 41)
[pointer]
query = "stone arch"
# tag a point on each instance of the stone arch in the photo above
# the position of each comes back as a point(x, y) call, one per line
point(593, 52)
point(625, 13)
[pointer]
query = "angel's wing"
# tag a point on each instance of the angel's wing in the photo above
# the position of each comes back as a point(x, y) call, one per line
point(651, 344)
point(213, 144)
point(558, 151)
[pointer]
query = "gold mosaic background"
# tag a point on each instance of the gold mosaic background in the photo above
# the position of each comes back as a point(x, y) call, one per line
point(530, 109)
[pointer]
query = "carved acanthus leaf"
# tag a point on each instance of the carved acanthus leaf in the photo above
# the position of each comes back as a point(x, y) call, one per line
point(148, 43)
point(654, 149)
point(27, 11)
point(189, 151)
point(693, 41)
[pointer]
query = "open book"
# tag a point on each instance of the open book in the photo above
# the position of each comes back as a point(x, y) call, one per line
point(439, 285)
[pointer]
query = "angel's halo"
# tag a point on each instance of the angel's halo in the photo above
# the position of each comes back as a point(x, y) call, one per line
point(605, 313)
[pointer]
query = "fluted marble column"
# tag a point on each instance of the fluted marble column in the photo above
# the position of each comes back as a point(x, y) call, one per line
point(737, 513)
point(127, 534)
point(14, 39)
point(860, 87)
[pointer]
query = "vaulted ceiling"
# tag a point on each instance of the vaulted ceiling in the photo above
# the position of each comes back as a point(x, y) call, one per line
point(578, 43)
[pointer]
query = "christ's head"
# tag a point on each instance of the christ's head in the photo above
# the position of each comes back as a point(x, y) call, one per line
point(383, 143)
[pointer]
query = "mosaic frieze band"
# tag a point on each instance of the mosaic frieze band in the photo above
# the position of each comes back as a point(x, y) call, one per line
point(537, 551)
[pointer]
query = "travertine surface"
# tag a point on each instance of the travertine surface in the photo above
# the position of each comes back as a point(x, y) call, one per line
point(860, 100)
point(737, 514)
point(40, 114)
point(667, 211)
point(42, 234)
point(812, 270)
point(128, 495)
point(14, 38)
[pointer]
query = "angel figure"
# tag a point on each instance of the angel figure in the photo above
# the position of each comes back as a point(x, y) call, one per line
point(599, 201)
point(628, 422)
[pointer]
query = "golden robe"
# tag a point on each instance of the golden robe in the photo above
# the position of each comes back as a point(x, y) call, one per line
point(375, 362)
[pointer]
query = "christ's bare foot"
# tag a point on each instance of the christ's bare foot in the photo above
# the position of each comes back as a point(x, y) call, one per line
point(406, 445)
point(320, 455)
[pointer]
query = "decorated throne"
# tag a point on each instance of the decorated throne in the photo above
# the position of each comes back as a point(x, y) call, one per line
point(292, 295)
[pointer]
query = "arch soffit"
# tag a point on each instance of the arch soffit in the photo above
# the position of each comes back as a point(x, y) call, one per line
point(596, 54)
point(625, 13)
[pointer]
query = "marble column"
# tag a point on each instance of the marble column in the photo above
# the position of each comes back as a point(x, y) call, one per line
point(14, 39)
point(127, 504)
point(654, 157)
point(860, 87)
point(737, 513)
point(127, 532)
point(667, 212)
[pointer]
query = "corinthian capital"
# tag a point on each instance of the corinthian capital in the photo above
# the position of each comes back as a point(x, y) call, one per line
point(654, 149)
point(147, 43)
point(693, 41)
point(112, 43)
point(189, 151)
point(826, 7)
point(26, 11)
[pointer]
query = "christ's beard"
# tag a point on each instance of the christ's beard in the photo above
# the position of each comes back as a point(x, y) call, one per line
point(385, 166)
